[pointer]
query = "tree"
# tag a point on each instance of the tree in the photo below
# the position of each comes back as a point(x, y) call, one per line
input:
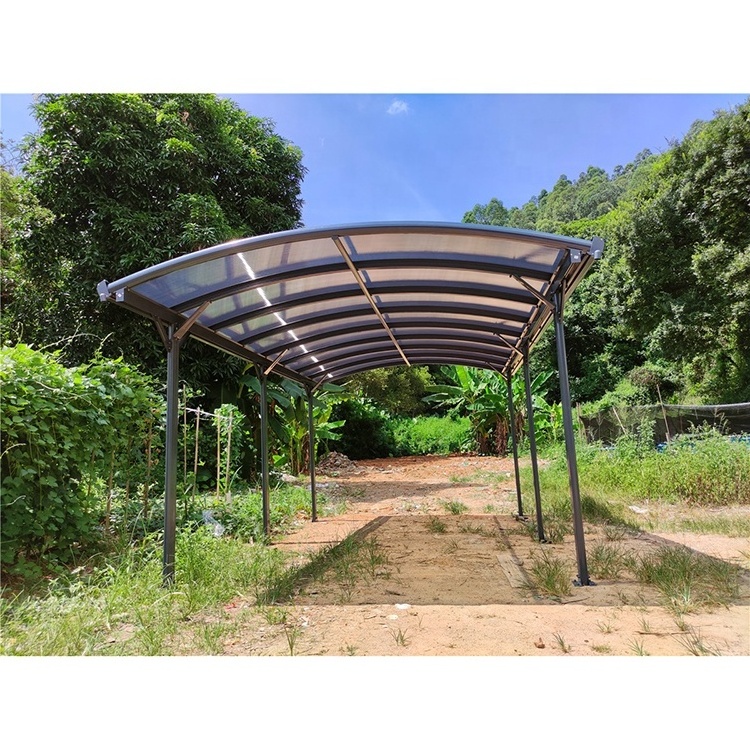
point(686, 238)
point(493, 213)
point(400, 390)
point(133, 180)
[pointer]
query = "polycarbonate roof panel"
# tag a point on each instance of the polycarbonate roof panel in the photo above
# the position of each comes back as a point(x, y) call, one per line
point(325, 303)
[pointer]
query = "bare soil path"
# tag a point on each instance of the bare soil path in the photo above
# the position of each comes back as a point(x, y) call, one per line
point(442, 583)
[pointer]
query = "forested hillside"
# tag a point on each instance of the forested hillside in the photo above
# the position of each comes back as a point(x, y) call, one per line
point(667, 309)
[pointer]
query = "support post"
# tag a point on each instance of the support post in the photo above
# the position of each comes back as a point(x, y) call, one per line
point(570, 447)
point(311, 450)
point(170, 456)
point(514, 438)
point(532, 445)
point(264, 475)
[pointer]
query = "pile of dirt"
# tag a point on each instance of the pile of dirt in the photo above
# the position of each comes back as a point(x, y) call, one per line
point(336, 463)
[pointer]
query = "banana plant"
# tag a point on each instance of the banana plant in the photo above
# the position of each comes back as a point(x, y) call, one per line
point(482, 395)
point(288, 418)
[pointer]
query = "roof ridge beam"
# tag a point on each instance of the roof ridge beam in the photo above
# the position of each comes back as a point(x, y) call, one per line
point(358, 276)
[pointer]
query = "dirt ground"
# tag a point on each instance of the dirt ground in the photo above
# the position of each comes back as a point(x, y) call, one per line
point(442, 584)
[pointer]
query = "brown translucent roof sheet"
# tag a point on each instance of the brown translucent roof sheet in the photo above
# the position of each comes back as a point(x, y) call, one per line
point(322, 304)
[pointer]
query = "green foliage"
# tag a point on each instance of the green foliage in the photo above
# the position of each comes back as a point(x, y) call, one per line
point(493, 213)
point(121, 608)
point(432, 435)
point(706, 469)
point(482, 395)
point(63, 431)
point(672, 291)
point(399, 390)
point(243, 517)
point(132, 180)
point(688, 579)
point(367, 431)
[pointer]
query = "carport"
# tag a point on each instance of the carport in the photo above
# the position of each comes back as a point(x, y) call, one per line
point(319, 305)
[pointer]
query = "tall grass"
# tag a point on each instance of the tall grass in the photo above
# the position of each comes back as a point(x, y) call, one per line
point(121, 608)
point(702, 471)
point(116, 603)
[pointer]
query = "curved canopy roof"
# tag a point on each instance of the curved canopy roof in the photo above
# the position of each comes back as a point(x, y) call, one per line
point(318, 305)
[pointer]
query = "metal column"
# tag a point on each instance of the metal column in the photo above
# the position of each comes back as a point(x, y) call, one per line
point(170, 456)
point(532, 445)
point(514, 438)
point(311, 450)
point(264, 475)
point(570, 447)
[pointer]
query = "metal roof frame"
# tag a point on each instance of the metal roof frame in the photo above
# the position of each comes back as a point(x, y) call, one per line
point(301, 296)
point(321, 305)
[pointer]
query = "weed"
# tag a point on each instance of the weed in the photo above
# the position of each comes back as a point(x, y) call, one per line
point(601, 649)
point(292, 633)
point(614, 532)
point(436, 526)
point(455, 507)
point(637, 648)
point(349, 650)
point(645, 625)
point(555, 530)
point(693, 642)
point(274, 615)
point(489, 508)
point(561, 644)
point(474, 528)
point(688, 580)
point(551, 574)
point(606, 561)
point(211, 634)
point(373, 558)
point(400, 637)
point(679, 620)
point(604, 627)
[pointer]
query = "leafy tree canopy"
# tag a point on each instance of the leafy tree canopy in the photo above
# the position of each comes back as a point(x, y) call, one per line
point(133, 180)
point(672, 291)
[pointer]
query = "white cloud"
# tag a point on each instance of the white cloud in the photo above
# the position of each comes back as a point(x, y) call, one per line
point(398, 107)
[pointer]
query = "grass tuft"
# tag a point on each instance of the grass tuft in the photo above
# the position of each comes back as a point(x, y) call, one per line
point(551, 574)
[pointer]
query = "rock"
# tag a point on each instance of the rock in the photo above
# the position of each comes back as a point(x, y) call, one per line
point(539, 643)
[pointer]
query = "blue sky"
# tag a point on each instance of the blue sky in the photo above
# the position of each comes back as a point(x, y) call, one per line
point(432, 157)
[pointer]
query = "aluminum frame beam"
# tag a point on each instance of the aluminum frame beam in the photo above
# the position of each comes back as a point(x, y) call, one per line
point(170, 457)
point(311, 451)
point(361, 282)
point(514, 437)
point(532, 446)
point(570, 446)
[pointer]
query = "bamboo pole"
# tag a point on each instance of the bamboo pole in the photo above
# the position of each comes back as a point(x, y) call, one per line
point(109, 490)
point(664, 414)
point(195, 458)
point(149, 441)
point(218, 457)
point(229, 453)
point(184, 441)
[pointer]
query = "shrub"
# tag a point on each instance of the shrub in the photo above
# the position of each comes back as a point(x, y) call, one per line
point(367, 430)
point(432, 435)
point(66, 433)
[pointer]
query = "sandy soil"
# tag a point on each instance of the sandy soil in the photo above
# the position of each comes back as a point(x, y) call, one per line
point(445, 584)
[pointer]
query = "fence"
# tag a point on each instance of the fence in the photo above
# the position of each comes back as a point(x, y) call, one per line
point(669, 420)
